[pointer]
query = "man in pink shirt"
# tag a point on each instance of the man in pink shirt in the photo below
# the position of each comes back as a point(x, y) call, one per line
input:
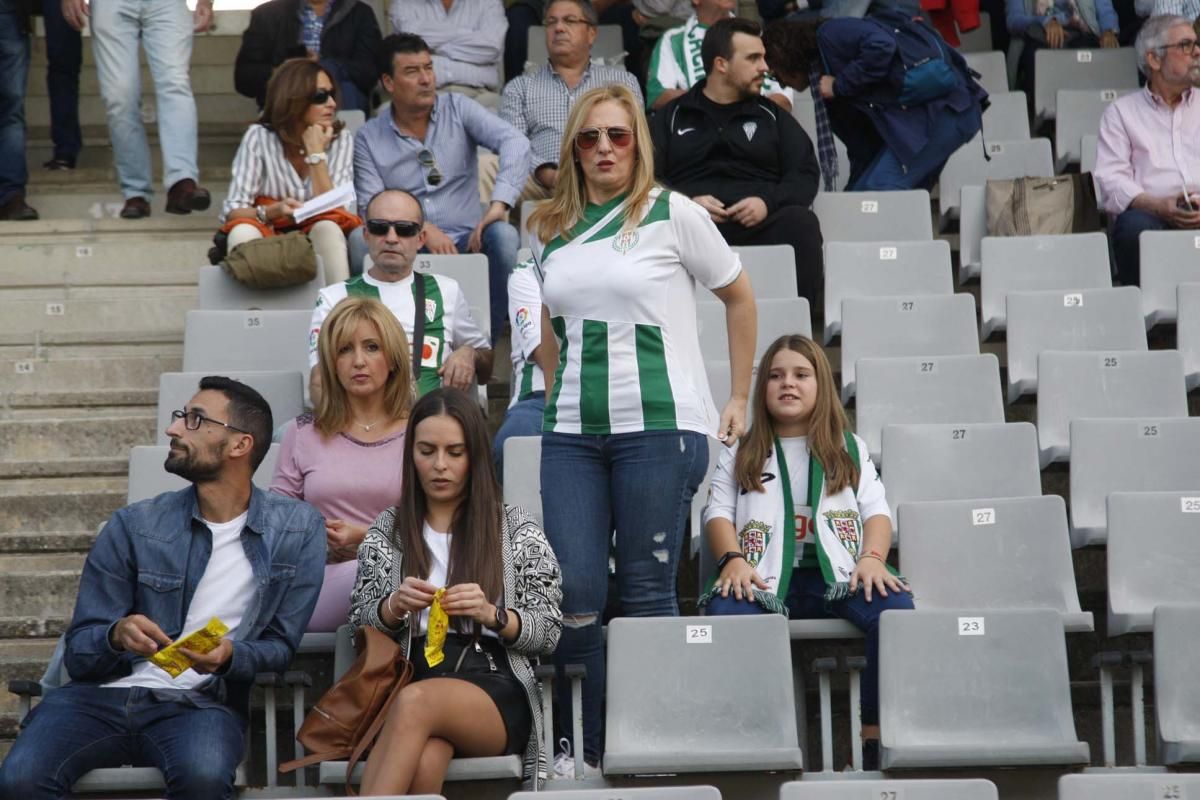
point(1148, 156)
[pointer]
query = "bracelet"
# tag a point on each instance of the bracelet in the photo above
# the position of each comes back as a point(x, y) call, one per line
point(399, 617)
point(725, 559)
point(872, 554)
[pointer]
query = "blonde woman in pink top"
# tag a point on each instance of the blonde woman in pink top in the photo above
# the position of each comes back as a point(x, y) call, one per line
point(346, 458)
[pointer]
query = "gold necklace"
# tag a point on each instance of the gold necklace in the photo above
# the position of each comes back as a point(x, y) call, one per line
point(367, 428)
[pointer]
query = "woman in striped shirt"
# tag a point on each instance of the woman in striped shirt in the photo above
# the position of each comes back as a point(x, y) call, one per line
point(296, 151)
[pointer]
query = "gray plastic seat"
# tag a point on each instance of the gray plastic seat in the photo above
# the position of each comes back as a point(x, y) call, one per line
point(965, 789)
point(219, 291)
point(1073, 385)
point(959, 462)
point(621, 793)
point(1087, 319)
point(608, 47)
point(1008, 159)
point(527, 207)
point(1038, 263)
point(874, 216)
point(1078, 114)
point(776, 317)
point(771, 269)
point(1168, 258)
point(1099, 786)
point(353, 118)
point(1146, 454)
point(148, 478)
point(1176, 631)
point(1080, 69)
point(972, 227)
point(653, 720)
point(283, 391)
point(1152, 539)
point(925, 389)
point(1187, 331)
point(885, 327)
point(871, 269)
point(992, 69)
point(995, 694)
point(523, 474)
point(1087, 152)
point(246, 341)
point(470, 270)
point(1006, 119)
point(1007, 552)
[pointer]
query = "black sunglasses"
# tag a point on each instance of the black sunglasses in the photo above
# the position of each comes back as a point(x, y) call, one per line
point(320, 97)
point(404, 228)
point(425, 159)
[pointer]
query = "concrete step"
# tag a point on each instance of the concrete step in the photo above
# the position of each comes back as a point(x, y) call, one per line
point(121, 375)
point(95, 164)
point(47, 542)
point(218, 107)
point(159, 223)
point(85, 438)
point(97, 202)
point(138, 262)
point(34, 587)
point(205, 79)
point(87, 315)
point(217, 45)
point(50, 505)
point(20, 659)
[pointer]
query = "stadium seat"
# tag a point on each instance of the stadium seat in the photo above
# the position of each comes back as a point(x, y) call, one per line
point(874, 216)
point(776, 318)
point(246, 341)
point(1087, 153)
point(148, 478)
point(1080, 69)
point(1005, 160)
point(972, 227)
point(523, 474)
point(1177, 703)
point(1082, 385)
point(771, 268)
point(283, 391)
point(470, 270)
point(1146, 454)
point(353, 119)
point(997, 693)
point(678, 720)
point(966, 789)
point(959, 462)
point(1079, 112)
point(1088, 319)
point(1187, 331)
point(1035, 263)
point(1152, 538)
point(978, 40)
point(870, 269)
point(526, 209)
point(608, 47)
point(1112, 786)
point(925, 389)
point(1007, 552)
point(1006, 119)
point(805, 113)
point(219, 291)
point(1168, 258)
point(928, 325)
point(619, 793)
point(992, 70)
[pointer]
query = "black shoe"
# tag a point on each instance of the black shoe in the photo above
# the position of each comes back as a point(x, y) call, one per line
point(185, 197)
point(59, 163)
point(870, 750)
point(17, 210)
point(135, 208)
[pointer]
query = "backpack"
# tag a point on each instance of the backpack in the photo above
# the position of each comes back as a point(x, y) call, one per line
point(928, 74)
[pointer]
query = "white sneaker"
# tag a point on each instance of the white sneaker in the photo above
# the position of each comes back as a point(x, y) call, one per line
point(564, 764)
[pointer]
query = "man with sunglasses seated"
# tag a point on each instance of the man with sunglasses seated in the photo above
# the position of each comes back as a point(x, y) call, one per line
point(159, 570)
point(740, 156)
point(428, 146)
point(454, 350)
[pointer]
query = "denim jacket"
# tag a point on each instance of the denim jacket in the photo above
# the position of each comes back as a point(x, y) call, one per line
point(149, 559)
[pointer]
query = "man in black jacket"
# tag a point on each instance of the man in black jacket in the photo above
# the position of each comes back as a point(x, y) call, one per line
point(348, 37)
point(749, 164)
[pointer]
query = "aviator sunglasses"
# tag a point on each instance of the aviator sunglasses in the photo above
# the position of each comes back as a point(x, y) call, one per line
point(588, 138)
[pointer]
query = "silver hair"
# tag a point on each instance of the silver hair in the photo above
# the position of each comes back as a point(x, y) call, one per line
point(1153, 37)
point(585, 8)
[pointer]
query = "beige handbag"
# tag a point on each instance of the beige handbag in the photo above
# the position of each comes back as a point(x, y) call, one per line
point(1042, 206)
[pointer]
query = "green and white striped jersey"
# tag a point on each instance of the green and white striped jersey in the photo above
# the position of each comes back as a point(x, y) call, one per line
point(622, 302)
point(525, 315)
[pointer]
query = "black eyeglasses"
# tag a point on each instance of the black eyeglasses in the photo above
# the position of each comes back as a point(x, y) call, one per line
point(320, 97)
point(425, 159)
point(192, 419)
point(1186, 47)
point(588, 138)
point(404, 228)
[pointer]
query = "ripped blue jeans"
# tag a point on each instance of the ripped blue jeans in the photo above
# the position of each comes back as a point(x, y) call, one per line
point(640, 486)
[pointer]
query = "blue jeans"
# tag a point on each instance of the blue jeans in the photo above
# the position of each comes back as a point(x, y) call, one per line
point(806, 600)
point(524, 418)
point(947, 133)
point(1126, 229)
point(64, 58)
point(14, 71)
point(164, 28)
point(640, 485)
point(82, 727)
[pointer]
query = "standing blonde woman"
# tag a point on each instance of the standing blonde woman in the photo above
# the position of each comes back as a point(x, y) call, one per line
point(346, 459)
point(627, 415)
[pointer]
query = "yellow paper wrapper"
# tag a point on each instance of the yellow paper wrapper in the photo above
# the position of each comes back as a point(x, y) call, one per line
point(175, 663)
point(439, 624)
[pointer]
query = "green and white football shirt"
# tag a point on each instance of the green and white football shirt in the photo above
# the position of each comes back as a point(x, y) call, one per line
point(448, 321)
point(622, 302)
point(525, 315)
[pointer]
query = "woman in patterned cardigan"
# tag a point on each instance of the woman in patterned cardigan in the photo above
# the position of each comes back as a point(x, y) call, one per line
point(476, 695)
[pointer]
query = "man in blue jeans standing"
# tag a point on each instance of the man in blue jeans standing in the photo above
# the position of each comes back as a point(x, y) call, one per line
point(14, 70)
point(161, 569)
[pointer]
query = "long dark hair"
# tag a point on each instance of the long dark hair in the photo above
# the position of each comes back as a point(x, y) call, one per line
point(289, 90)
point(791, 47)
point(475, 546)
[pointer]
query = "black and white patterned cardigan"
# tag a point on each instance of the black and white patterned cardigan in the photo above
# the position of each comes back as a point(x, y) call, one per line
point(532, 588)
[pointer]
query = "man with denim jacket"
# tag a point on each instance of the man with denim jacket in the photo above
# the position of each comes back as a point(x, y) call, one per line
point(159, 570)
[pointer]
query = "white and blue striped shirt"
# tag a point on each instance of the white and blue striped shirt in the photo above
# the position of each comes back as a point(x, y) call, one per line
point(261, 168)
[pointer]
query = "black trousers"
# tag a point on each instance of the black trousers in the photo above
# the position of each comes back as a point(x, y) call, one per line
point(794, 225)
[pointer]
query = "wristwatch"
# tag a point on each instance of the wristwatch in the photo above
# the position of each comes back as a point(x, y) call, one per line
point(725, 559)
point(315, 158)
point(501, 620)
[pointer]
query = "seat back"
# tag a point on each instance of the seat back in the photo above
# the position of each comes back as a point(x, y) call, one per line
point(621, 793)
point(883, 327)
point(246, 341)
point(771, 269)
point(776, 317)
point(1152, 540)
point(992, 69)
point(1187, 331)
point(283, 391)
point(1076, 385)
point(353, 118)
point(870, 269)
point(1098, 786)
point(1078, 114)
point(608, 47)
point(1088, 145)
point(527, 207)
point(1005, 160)
point(1177, 695)
point(523, 474)
point(1168, 258)
point(950, 789)
point(1080, 69)
point(1143, 454)
point(148, 478)
point(1008, 552)
point(1006, 118)
point(219, 291)
point(972, 227)
point(926, 389)
point(874, 216)
point(1087, 319)
point(470, 270)
point(1037, 263)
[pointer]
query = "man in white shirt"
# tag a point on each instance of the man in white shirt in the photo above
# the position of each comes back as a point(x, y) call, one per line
point(466, 38)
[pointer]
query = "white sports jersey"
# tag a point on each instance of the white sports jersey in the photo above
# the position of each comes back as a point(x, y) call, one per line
point(448, 321)
point(525, 315)
point(622, 302)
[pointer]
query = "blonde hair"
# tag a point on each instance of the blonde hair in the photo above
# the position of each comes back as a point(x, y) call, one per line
point(558, 215)
point(827, 425)
point(333, 411)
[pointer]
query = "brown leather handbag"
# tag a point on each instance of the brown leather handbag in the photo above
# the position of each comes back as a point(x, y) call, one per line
point(346, 721)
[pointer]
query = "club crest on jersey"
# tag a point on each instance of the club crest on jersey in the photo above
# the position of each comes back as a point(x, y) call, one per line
point(753, 539)
point(430, 309)
point(749, 128)
point(625, 241)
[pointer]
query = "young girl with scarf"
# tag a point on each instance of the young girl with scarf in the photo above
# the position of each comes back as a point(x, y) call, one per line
point(797, 518)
